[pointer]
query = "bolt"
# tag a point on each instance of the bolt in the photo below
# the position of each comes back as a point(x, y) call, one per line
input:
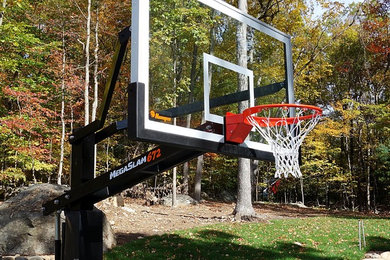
point(56, 202)
point(43, 208)
point(67, 196)
point(71, 138)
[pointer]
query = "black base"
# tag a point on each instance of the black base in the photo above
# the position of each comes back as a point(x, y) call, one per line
point(83, 238)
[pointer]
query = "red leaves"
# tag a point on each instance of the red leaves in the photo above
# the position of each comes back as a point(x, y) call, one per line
point(376, 28)
point(29, 122)
point(32, 104)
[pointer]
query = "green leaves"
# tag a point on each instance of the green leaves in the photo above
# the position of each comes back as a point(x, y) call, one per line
point(27, 89)
point(12, 176)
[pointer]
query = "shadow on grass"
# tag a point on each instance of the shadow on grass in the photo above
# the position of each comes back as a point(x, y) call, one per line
point(378, 243)
point(361, 216)
point(123, 238)
point(210, 244)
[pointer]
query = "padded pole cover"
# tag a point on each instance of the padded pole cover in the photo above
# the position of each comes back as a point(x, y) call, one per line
point(83, 235)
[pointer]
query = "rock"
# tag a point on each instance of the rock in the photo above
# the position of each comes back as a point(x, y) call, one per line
point(118, 201)
point(386, 255)
point(299, 204)
point(227, 197)
point(204, 195)
point(372, 255)
point(23, 228)
point(21, 258)
point(182, 200)
point(109, 239)
point(130, 210)
point(377, 255)
point(18, 257)
point(150, 199)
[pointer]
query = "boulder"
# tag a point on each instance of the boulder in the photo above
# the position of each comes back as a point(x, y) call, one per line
point(117, 201)
point(227, 196)
point(109, 238)
point(386, 255)
point(204, 196)
point(181, 199)
point(23, 228)
point(150, 198)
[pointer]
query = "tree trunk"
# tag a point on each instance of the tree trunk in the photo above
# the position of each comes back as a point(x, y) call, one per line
point(375, 193)
point(368, 180)
point(302, 194)
point(107, 161)
point(185, 177)
point(190, 100)
point(327, 196)
point(200, 159)
point(198, 178)
point(174, 171)
point(95, 81)
point(361, 169)
point(174, 178)
point(257, 188)
point(71, 117)
point(96, 67)
point(254, 173)
point(2, 12)
point(285, 197)
point(198, 174)
point(359, 197)
point(33, 170)
point(86, 84)
point(244, 206)
point(3, 162)
point(61, 166)
point(32, 160)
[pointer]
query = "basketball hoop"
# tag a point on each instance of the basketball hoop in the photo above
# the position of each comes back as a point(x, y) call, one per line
point(285, 133)
point(283, 126)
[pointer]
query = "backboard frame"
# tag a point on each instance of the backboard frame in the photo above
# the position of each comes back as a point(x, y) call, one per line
point(209, 59)
point(158, 132)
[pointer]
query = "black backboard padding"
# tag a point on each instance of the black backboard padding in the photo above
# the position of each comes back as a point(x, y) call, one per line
point(223, 100)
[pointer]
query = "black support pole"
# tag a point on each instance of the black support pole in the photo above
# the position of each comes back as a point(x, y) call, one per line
point(83, 223)
point(82, 232)
point(57, 241)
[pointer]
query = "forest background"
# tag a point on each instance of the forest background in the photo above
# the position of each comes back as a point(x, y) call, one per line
point(54, 61)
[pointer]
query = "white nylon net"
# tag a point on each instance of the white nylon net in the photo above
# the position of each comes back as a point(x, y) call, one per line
point(285, 139)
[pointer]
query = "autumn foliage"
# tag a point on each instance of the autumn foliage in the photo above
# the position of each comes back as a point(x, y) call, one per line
point(341, 63)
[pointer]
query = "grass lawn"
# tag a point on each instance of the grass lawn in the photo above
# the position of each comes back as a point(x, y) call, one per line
point(301, 238)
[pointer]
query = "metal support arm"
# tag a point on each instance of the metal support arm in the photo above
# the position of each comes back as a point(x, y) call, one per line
point(157, 160)
point(120, 51)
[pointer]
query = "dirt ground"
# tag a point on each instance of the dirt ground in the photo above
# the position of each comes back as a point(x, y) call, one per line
point(136, 220)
